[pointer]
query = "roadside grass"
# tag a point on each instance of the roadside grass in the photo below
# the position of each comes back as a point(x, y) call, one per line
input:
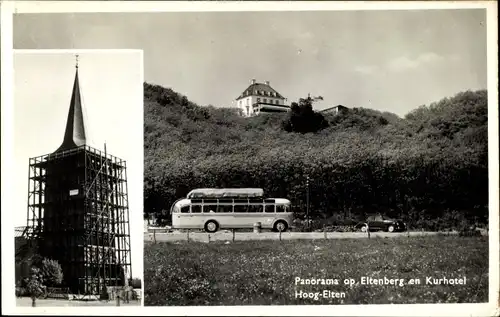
point(264, 272)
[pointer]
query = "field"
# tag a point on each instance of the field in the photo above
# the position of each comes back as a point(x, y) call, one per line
point(265, 272)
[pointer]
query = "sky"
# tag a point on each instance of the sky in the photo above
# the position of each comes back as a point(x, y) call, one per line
point(386, 60)
point(112, 97)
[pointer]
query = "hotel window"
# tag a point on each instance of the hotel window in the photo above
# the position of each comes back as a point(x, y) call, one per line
point(258, 99)
point(265, 100)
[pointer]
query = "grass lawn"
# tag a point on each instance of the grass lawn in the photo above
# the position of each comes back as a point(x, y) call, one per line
point(265, 272)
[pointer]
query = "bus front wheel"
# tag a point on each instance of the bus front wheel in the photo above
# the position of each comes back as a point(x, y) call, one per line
point(280, 226)
point(211, 226)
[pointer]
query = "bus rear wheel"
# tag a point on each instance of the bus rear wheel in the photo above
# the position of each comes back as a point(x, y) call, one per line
point(211, 226)
point(280, 226)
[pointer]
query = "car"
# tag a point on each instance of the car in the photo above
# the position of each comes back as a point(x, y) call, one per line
point(380, 222)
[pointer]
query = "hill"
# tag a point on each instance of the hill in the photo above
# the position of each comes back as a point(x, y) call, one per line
point(429, 165)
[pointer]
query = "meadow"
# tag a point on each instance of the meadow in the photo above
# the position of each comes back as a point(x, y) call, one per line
point(265, 272)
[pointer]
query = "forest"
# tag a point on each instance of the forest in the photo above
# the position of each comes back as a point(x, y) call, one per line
point(429, 168)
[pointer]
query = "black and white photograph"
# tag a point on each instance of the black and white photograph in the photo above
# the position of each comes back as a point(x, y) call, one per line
point(284, 158)
point(78, 172)
point(316, 158)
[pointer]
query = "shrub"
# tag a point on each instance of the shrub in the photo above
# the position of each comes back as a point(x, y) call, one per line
point(21, 291)
point(136, 283)
point(104, 294)
point(51, 272)
point(134, 295)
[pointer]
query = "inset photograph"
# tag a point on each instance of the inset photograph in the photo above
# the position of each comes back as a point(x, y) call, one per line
point(316, 158)
point(78, 150)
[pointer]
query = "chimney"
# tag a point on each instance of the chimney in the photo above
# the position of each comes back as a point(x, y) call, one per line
point(253, 81)
point(267, 82)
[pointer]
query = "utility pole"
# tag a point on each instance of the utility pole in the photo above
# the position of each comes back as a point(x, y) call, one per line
point(307, 200)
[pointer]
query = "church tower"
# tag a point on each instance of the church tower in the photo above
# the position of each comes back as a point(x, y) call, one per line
point(78, 209)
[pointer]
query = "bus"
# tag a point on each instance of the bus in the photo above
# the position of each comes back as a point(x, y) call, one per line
point(214, 209)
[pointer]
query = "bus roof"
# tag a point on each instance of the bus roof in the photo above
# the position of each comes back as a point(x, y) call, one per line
point(226, 193)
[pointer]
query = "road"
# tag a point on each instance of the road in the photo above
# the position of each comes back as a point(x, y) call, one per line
point(246, 236)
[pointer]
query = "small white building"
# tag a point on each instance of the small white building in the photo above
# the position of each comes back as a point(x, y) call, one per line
point(259, 98)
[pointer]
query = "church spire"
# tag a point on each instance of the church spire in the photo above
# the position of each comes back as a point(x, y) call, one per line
point(74, 135)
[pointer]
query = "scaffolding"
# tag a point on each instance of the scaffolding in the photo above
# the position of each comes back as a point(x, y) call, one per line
point(78, 214)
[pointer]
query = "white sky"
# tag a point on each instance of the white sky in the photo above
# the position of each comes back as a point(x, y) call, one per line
point(387, 60)
point(112, 97)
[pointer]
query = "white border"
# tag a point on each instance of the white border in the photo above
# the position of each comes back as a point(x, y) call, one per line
point(490, 308)
point(7, 78)
point(194, 6)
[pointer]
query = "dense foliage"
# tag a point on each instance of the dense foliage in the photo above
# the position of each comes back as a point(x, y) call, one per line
point(51, 272)
point(303, 118)
point(430, 165)
point(44, 273)
point(136, 283)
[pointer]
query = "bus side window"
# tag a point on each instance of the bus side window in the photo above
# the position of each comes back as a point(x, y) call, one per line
point(209, 208)
point(255, 208)
point(240, 208)
point(269, 208)
point(280, 208)
point(196, 209)
point(185, 209)
point(224, 208)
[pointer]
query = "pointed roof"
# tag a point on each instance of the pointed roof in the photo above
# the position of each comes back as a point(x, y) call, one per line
point(261, 90)
point(74, 135)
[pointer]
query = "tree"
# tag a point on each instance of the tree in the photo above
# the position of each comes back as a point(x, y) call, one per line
point(34, 285)
point(303, 118)
point(51, 272)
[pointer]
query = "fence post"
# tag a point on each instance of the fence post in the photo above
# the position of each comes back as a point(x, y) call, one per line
point(188, 235)
point(257, 227)
point(280, 234)
point(118, 299)
point(233, 235)
point(154, 235)
point(209, 238)
point(324, 231)
point(368, 230)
